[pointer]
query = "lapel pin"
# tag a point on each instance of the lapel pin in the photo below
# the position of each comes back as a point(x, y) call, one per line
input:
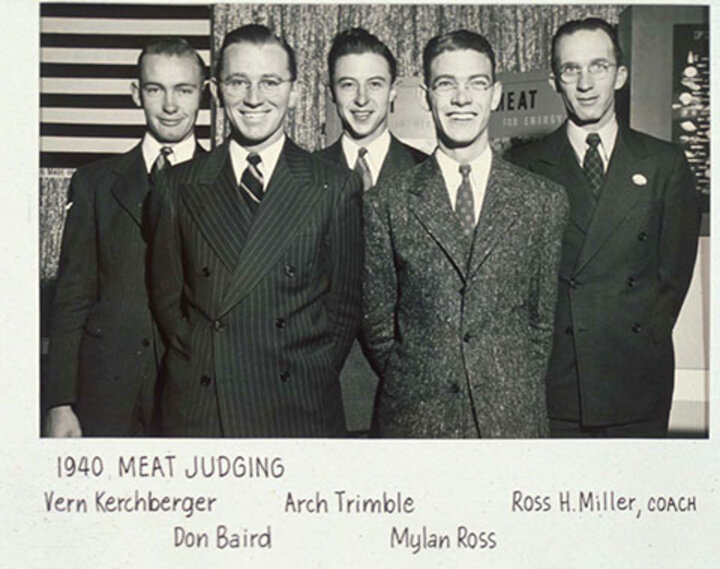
point(68, 206)
point(639, 180)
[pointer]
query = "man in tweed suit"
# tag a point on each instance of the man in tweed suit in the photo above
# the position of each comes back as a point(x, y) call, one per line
point(104, 351)
point(256, 265)
point(461, 265)
point(628, 251)
point(362, 74)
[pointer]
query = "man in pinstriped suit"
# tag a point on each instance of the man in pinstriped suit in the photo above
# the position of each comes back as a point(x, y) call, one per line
point(256, 265)
point(104, 352)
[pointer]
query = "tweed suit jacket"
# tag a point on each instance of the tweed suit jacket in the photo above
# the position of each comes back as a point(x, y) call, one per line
point(626, 267)
point(357, 375)
point(461, 327)
point(104, 351)
point(259, 312)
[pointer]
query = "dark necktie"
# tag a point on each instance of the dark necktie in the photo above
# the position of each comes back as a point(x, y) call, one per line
point(592, 164)
point(161, 162)
point(464, 203)
point(251, 182)
point(363, 168)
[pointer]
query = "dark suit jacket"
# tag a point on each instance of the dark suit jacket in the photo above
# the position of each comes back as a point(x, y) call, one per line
point(626, 267)
point(259, 312)
point(104, 351)
point(462, 328)
point(357, 377)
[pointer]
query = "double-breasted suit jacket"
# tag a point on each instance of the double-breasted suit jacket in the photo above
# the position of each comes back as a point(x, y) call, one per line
point(626, 266)
point(357, 375)
point(104, 351)
point(259, 312)
point(461, 326)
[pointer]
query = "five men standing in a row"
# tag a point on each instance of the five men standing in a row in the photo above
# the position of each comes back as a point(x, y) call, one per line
point(256, 257)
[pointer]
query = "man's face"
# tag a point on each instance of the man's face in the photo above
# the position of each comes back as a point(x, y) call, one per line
point(362, 90)
point(590, 99)
point(169, 92)
point(461, 96)
point(257, 92)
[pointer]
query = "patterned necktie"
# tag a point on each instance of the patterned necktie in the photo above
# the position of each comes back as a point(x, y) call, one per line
point(363, 168)
point(251, 182)
point(161, 162)
point(464, 203)
point(592, 164)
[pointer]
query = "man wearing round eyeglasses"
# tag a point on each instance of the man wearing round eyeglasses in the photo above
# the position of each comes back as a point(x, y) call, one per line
point(255, 265)
point(628, 251)
point(104, 350)
point(461, 269)
point(361, 76)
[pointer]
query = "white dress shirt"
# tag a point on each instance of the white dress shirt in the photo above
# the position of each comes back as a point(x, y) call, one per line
point(577, 136)
point(268, 157)
point(479, 173)
point(182, 151)
point(376, 152)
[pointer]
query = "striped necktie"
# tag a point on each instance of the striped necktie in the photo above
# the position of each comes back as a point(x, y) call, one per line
point(363, 168)
point(161, 162)
point(251, 182)
point(592, 164)
point(464, 203)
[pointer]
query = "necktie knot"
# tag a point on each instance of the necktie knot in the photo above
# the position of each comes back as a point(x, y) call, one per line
point(465, 171)
point(161, 162)
point(254, 158)
point(362, 152)
point(166, 151)
point(593, 140)
point(252, 182)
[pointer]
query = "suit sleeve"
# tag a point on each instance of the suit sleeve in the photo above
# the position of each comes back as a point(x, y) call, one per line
point(346, 253)
point(544, 293)
point(75, 294)
point(379, 285)
point(166, 267)
point(678, 244)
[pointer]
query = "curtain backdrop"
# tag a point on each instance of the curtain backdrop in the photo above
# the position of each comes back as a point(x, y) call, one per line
point(520, 36)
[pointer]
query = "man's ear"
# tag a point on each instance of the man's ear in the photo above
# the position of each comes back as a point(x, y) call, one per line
point(296, 88)
point(215, 91)
point(621, 77)
point(496, 95)
point(136, 94)
point(552, 81)
point(423, 95)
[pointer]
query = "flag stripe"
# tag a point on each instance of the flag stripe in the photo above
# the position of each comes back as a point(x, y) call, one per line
point(106, 130)
point(125, 26)
point(131, 115)
point(99, 56)
point(147, 11)
point(112, 41)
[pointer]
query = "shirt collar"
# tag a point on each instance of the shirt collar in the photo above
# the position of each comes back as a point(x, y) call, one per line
point(376, 152)
point(479, 174)
point(269, 157)
point(182, 151)
point(577, 136)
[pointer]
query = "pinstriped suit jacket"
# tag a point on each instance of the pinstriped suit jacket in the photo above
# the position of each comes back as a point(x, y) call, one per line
point(259, 312)
point(104, 351)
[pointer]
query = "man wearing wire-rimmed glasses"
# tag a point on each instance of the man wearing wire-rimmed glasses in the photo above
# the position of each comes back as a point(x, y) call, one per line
point(256, 263)
point(628, 251)
point(460, 275)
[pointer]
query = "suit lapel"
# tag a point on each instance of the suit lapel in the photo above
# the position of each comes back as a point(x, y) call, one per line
point(430, 203)
point(618, 196)
point(335, 154)
point(396, 159)
point(217, 208)
point(132, 183)
point(291, 197)
point(500, 209)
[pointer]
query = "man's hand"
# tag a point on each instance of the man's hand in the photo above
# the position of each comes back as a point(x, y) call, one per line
point(61, 421)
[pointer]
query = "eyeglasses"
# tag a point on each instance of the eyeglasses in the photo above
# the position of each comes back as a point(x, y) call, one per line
point(238, 86)
point(570, 72)
point(450, 86)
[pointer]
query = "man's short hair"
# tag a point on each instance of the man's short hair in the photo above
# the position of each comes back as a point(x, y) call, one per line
point(355, 41)
point(256, 34)
point(170, 46)
point(590, 25)
point(453, 41)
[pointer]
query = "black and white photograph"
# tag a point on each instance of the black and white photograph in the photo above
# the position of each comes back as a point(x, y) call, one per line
point(342, 285)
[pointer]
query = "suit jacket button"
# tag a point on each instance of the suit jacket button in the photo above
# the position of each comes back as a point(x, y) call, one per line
point(285, 376)
point(642, 236)
point(205, 380)
point(467, 337)
point(631, 281)
point(636, 328)
point(569, 331)
point(572, 283)
point(219, 325)
point(280, 323)
point(205, 271)
point(145, 342)
point(454, 387)
point(289, 270)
